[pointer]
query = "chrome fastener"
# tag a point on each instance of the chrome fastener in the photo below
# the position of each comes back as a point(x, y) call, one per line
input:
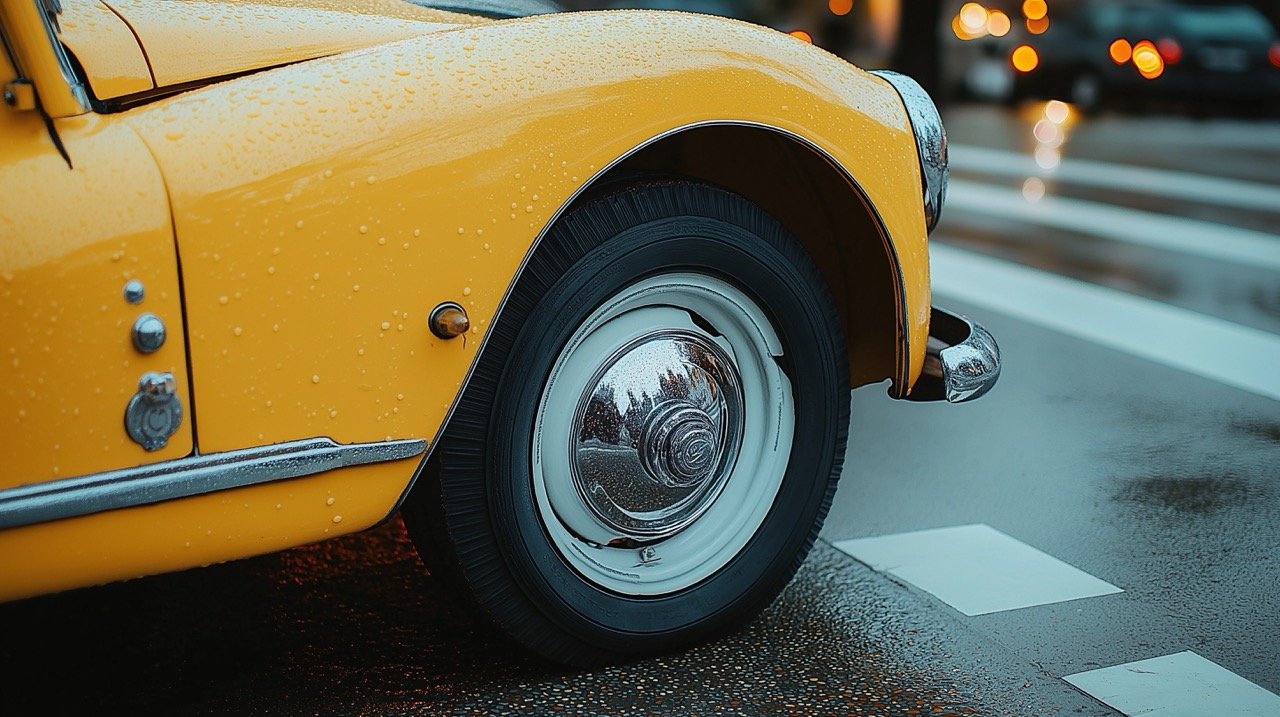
point(134, 291)
point(148, 333)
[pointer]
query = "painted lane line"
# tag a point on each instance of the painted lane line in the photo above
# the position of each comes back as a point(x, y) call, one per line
point(1189, 236)
point(976, 569)
point(1106, 175)
point(1181, 685)
point(1235, 355)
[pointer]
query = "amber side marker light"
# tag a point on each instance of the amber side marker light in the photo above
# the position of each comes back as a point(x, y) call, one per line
point(1025, 58)
point(449, 320)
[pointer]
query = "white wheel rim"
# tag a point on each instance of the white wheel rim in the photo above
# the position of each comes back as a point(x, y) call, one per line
point(668, 550)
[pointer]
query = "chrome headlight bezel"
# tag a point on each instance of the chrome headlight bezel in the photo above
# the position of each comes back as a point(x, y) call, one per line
point(931, 141)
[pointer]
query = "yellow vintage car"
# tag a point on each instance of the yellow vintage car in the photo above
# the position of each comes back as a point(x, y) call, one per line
point(581, 295)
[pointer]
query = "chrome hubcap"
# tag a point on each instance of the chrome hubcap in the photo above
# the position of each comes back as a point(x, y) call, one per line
point(662, 435)
point(656, 433)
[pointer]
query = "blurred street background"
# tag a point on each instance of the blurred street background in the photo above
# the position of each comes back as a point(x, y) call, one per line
point(1114, 220)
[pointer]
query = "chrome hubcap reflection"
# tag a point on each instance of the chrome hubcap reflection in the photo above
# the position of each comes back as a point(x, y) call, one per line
point(656, 433)
point(662, 435)
point(681, 444)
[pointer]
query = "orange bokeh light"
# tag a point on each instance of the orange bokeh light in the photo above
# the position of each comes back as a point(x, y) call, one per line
point(973, 17)
point(840, 7)
point(1120, 51)
point(998, 23)
point(1037, 27)
point(1035, 9)
point(1147, 59)
point(1057, 111)
point(801, 35)
point(1025, 58)
point(959, 30)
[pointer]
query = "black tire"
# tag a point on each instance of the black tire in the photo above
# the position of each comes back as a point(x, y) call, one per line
point(473, 514)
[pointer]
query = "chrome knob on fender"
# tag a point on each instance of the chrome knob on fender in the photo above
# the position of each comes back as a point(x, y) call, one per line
point(148, 333)
point(134, 291)
point(656, 433)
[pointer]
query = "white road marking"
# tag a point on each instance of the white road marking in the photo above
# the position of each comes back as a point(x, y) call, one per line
point(1105, 175)
point(1181, 685)
point(976, 569)
point(1235, 355)
point(1189, 236)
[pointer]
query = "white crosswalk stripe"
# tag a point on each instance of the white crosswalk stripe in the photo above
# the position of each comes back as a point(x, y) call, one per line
point(1236, 355)
point(976, 569)
point(1189, 236)
point(1180, 685)
point(1106, 175)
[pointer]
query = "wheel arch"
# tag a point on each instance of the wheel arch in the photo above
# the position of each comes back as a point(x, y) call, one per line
point(818, 201)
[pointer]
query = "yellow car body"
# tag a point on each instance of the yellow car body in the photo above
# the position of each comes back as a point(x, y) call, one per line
point(297, 184)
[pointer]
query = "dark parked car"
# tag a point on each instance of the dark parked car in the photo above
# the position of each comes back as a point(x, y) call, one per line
point(724, 8)
point(496, 9)
point(1106, 50)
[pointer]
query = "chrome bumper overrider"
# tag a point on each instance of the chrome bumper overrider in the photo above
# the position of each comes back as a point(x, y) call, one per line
point(961, 363)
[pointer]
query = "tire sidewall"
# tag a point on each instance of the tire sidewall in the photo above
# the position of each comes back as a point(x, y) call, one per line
point(792, 302)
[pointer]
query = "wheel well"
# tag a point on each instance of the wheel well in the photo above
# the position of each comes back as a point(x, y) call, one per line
point(821, 207)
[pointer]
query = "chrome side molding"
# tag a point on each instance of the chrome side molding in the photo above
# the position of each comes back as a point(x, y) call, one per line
point(961, 363)
point(186, 477)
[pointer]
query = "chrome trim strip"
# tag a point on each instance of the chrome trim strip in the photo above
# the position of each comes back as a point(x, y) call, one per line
point(186, 477)
point(77, 88)
point(961, 363)
point(931, 141)
point(899, 382)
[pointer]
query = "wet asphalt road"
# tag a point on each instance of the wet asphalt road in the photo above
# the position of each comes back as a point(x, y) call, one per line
point(1160, 481)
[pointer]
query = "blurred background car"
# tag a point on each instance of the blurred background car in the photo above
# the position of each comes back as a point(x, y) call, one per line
point(1143, 50)
point(724, 8)
point(497, 9)
point(1090, 52)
